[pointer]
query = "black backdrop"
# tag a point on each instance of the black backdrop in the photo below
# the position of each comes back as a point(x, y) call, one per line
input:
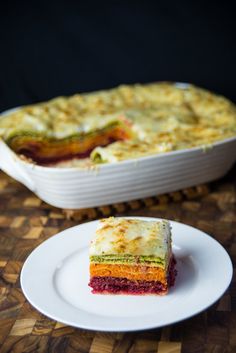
point(51, 48)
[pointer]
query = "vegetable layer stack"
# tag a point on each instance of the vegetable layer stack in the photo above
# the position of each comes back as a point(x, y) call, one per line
point(131, 256)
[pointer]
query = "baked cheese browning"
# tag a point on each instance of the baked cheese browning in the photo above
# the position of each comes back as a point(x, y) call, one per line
point(129, 150)
point(131, 272)
point(163, 130)
point(123, 236)
point(45, 150)
point(162, 117)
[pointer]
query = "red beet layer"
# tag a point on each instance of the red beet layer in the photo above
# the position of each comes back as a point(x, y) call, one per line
point(31, 152)
point(117, 285)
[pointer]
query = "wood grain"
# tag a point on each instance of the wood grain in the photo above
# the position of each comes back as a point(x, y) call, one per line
point(26, 221)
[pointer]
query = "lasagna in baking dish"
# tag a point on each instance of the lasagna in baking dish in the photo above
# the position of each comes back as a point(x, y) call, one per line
point(122, 123)
point(131, 256)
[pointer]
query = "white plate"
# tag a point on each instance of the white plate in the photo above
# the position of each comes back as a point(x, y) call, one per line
point(55, 279)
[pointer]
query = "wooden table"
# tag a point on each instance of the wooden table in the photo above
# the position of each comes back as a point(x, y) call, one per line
point(26, 221)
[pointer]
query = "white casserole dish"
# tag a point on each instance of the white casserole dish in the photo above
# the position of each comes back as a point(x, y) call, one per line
point(76, 188)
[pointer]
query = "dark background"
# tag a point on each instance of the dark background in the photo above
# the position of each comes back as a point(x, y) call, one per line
point(51, 48)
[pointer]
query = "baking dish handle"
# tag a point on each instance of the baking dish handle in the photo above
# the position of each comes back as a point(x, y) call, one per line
point(11, 165)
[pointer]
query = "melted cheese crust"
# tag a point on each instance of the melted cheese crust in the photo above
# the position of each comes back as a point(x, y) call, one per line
point(119, 236)
point(163, 117)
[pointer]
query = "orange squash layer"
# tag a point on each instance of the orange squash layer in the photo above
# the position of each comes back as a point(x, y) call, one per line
point(44, 150)
point(131, 272)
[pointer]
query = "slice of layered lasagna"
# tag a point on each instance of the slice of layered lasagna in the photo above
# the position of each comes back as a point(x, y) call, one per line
point(131, 256)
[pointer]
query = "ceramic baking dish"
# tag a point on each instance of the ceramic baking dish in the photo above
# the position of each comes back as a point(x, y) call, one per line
point(76, 188)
